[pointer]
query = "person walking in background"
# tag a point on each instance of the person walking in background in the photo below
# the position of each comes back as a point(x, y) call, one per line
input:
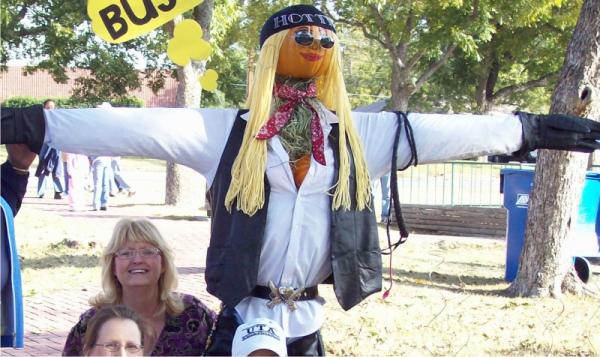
point(49, 164)
point(101, 176)
point(384, 181)
point(63, 159)
point(77, 168)
point(118, 183)
point(382, 185)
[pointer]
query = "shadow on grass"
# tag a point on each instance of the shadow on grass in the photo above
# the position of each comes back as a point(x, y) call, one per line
point(471, 284)
point(190, 270)
point(104, 214)
point(458, 263)
point(139, 204)
point(185, 218)
point(65, 260)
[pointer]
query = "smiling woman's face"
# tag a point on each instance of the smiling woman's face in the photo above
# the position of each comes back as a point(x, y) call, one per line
point(140, 268)
point(306, 60)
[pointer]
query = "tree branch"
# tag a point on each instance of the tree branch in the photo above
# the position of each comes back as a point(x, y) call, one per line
point(475, 12)
point(360, 25)
point(30, 32)
point(540, 82)
point(415, 59)
point(435, 66)
point(402, 46)
point(381, 23)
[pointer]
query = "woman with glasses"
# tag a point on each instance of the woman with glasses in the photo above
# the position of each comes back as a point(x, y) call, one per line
point(138, 271)
point(115, 331)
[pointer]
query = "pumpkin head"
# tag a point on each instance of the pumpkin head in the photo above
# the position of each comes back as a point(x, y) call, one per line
point(299, 57)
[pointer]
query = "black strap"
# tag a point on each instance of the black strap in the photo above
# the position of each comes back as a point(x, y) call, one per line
point(395, 201)
point(264, 292)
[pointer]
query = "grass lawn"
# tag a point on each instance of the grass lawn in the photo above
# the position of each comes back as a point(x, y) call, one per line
point(447, 298)
point(448, 295)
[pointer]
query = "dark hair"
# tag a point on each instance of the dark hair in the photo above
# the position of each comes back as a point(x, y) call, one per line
point(48, 101)
point(106, 313)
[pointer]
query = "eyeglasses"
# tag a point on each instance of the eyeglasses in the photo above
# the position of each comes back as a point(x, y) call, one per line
point(305, 38)
point(131, 253)
point(116, 347)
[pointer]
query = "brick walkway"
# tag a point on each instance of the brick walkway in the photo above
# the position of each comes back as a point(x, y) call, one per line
point(50, 316)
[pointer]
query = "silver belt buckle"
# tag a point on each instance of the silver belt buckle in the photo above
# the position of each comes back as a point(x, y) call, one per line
point(284, 295)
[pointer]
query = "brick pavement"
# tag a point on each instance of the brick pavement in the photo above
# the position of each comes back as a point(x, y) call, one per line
point(50, 316)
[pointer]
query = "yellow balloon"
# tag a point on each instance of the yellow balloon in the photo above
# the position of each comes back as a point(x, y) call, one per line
point(209, 80)
point(117, 21)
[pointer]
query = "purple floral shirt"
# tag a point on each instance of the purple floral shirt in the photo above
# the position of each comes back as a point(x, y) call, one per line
point(183, 335)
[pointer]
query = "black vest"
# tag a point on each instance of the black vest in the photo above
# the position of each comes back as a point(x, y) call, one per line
point(236, 238)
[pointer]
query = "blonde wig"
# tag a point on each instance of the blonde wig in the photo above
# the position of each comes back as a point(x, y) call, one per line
point(138, 230)
point(247, 182)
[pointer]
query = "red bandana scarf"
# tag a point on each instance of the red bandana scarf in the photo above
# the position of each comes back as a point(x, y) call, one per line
point(292, 98)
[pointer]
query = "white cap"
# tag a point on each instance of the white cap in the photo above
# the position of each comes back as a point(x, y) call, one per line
point(259, 334)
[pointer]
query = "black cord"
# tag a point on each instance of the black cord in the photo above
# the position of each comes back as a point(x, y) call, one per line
point(395, 201)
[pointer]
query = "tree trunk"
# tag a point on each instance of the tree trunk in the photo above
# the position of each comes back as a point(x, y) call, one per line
point(545, 268)
point(184, 186)
point(401, 88)
point(488, 76)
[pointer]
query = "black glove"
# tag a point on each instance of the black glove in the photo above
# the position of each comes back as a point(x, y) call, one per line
point(24, 126)
point(558, 132)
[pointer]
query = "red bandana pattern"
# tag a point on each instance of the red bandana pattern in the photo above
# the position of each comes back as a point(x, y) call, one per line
point(294, 97)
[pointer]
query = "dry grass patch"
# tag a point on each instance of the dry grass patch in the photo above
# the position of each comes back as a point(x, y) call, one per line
point(448, 299)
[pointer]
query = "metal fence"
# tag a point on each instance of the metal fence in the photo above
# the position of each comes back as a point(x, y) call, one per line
point(456, 183)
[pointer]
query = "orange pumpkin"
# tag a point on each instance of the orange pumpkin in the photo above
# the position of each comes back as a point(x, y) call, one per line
point(304, 62)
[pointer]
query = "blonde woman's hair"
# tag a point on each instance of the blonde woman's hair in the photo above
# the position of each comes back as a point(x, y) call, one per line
point(138, 230)
point(247, 175)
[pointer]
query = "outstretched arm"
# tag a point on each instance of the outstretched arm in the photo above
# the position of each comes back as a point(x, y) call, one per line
point(191, 137)
point(441, 137)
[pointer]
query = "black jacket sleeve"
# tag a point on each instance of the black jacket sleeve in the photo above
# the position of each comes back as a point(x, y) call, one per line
point(14, 186)
point(24, 126)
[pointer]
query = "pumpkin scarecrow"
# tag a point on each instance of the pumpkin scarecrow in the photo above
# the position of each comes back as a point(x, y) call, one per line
point(289, 176)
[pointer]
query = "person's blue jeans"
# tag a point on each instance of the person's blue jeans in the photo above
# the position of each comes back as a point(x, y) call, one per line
point(66, 178)
point(116, 178)
point(385, 196)
point(41, 189)
point(101, 174)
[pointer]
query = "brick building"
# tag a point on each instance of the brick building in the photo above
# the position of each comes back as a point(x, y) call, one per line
point(41, 85)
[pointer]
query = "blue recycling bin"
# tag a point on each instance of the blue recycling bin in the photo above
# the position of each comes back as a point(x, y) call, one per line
point(516, 185)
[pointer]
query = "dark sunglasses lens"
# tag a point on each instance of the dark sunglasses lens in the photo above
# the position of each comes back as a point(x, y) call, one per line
point(327, 42)
point(304, 39)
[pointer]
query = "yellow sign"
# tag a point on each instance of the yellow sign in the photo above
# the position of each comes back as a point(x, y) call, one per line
point(187, 43)
point(209, 80)
point(117, 21)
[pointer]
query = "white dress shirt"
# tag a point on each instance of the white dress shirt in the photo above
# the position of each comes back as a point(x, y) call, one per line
point(296, 246)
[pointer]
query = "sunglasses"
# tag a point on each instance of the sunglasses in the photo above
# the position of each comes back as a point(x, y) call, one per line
point(305, 38)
